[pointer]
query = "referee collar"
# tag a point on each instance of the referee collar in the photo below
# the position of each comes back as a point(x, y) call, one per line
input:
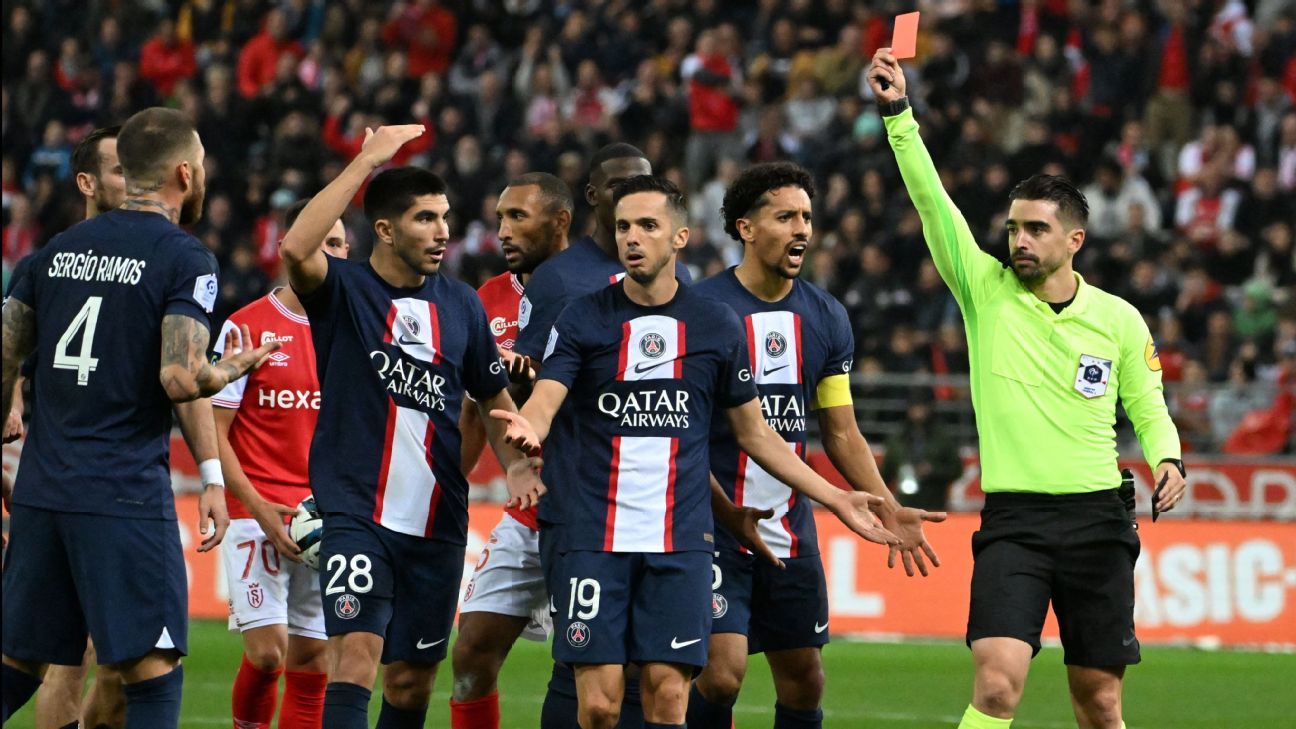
point(1077, 307)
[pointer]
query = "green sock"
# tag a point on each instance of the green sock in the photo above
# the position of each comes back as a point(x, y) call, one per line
point(973, 719)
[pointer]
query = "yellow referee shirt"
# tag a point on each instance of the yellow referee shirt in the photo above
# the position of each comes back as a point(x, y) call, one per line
point(1044, 385)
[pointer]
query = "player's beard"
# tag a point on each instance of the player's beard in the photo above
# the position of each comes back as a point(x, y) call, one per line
point(191, 208)
point(645, 276)
point(103, 201)
point(530, 258)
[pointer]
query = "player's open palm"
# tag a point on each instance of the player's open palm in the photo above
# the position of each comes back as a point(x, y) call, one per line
point(270, 517)
point(907, 523)
point(519, 432)
point(855, 510)
point(381, 144)
point(239, 353)
point(523, 482)
point(213, 515)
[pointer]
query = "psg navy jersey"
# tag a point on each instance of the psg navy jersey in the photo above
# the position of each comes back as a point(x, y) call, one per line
point(792, 344)
point(645, 384)
point(100, 439)
point(581, 269)
point(394, 364)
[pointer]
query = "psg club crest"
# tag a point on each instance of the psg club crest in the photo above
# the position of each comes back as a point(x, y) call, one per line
point(578, 634)
point(652, 345)
point(255, 595)
point(411, 326)
point(347, 606)
point(719, 605)
point(775, 344)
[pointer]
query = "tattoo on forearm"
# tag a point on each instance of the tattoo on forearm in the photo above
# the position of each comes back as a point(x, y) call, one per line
point(19, 342)
point(184, 354)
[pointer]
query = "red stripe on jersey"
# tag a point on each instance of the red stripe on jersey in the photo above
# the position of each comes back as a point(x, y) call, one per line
point(669, 532)
point(751, 344)
point(625, 350)
point(387, 338)
point(800, 363)
point(609, 530)
point(427, 450)
point(679, 373)
point(740, 481)
point(799, 449)
point(387, 442)
point(434, 336)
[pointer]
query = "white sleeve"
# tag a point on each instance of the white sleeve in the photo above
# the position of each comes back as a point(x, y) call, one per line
point(231, 396)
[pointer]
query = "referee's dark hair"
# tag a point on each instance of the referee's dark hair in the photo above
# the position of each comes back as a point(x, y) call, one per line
point(85, 158)
point(152, 140)
point(748, 192)
point(392, 191)
point(553, 191)
point(652, 183)
point(1073, 209)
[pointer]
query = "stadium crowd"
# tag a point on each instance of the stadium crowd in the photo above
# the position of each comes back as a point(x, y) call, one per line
point(1177, 117)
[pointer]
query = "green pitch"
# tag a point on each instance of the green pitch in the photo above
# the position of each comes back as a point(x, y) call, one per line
point(869, 685)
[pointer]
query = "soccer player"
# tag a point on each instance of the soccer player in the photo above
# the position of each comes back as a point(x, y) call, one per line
point(397, 346)
point(646, 363)
point(94, 539)
point(800, 346)
point(265, 421)
point(1050, 357)
point(506, 597)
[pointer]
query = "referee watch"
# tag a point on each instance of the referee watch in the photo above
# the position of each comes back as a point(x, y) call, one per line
point(891, 108)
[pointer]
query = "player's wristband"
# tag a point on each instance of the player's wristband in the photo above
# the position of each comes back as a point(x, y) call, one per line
point(891, 108)
point(210, 473)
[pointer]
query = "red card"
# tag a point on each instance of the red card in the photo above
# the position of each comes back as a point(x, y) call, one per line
point(904, 39)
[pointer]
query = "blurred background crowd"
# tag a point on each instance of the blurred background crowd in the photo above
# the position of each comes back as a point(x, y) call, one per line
point(1176, 117)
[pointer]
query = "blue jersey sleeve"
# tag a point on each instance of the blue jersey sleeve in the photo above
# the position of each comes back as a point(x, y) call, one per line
point(736, 385)
point(562, 352)
point(841, 341)
point(192, 285)
point(484, 374)
point(19, 273)
point(544, 300)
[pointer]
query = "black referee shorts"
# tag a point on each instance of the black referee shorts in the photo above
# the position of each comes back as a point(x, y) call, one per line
point(1076, 550)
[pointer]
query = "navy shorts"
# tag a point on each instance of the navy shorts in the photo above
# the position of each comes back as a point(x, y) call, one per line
point(776, 609)
point(630, 607)
point(1074, 550)
point(120, 581)
point(401, 587)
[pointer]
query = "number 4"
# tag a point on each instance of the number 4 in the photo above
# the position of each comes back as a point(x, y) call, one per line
point(83, 363)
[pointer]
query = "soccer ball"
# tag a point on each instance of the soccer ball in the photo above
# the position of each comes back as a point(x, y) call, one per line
point(306, 529)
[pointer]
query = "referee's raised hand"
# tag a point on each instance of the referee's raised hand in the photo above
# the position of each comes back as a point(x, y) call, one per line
point(885, 68)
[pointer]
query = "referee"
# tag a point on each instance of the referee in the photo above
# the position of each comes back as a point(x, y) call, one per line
point(1050, 357)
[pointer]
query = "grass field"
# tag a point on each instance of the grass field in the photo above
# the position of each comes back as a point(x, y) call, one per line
point(869, 685)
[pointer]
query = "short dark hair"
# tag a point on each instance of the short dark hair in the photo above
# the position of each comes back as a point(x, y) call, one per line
point(151, 139)
point(556, 194)
point(748, 192)
point(392, 191)
point(1072, 206)
point(293, 211)
point(616, 150)
point(85, 158)
point(652, 183)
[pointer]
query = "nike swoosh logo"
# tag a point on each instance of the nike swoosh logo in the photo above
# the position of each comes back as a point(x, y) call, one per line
point(820, 628)
point(640, 369)
point(402, 339)
point(769, 372)
point(1129, 640)
point(421, 645)
point(676, 643)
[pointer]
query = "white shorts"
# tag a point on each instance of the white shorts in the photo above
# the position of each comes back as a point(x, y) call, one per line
point(266, 590)
point(508, 579)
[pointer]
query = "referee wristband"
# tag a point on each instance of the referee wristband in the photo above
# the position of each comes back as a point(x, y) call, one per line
point(209, 471)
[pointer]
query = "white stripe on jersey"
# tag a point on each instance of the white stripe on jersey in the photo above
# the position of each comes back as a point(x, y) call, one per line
point(775, 340)
point(759, 490)
point(414, 328)
point(641, 494)
point(652, 349)
point(407, 487)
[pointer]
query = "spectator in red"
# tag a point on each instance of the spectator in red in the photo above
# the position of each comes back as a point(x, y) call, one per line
point(427, 33)
point(22, 232)
point(713, 111)
point(260, 55)
point(165, 59)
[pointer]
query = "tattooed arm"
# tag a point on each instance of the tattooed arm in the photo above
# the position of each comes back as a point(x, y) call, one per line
point(186, 374)
point(19, 342)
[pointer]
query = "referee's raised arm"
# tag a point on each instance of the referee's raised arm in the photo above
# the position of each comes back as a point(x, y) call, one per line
point(966, 269)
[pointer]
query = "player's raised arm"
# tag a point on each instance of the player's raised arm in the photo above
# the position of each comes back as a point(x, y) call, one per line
point(768, 449)
point(19, 342)
point(186, 374)
point(300, 250)
point(960, 261)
